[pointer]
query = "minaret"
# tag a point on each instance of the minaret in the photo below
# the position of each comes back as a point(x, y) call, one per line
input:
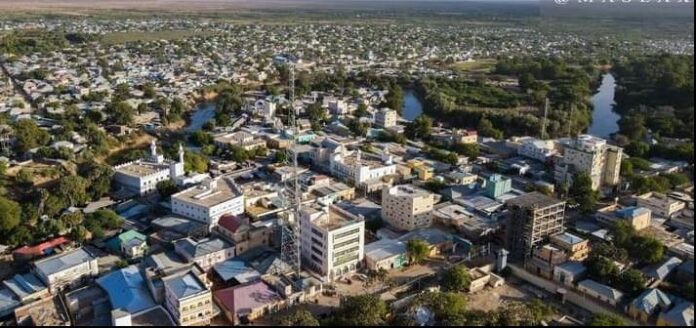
point(181, 153)
point(176, 169)
point(154, 157)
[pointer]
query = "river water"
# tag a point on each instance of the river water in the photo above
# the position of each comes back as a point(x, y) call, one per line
point(201, 114)
point(412, 106)
point(604, 119)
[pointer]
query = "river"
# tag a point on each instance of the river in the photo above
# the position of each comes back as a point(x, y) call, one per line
point(604, 119)
point(201, 114)
point(412, 107)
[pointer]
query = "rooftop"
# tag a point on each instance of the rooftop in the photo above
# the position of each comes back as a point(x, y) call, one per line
point(681, 314)
point(604, 290)
point(569, 238)
point(210, 193)
point(331, 217)
point(384, 249)
point(153, 317)
point(202, 247)
point(238, 270)
point(127, 290)
point(534, 199)
point(650, 300)
point(243, 299)
point(408, 191)
point(141, 168)
point(24, 285)
point(184, 285)
point(63, 261)
point(662, 270)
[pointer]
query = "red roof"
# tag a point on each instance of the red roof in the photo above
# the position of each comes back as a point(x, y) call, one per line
point(243, 299)
point(230, 222)
point(39, 249)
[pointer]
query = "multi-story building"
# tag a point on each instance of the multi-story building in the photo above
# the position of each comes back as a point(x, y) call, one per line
point(577, 249)
point(188, 299)
point(386, 118)
point(205, 252)
point(244, 235)
point(531, 218)
point(545, 259)
point(464, 136)
point(540, 150)
point(65, 269)
point(142, 176)
point(332, 240)
point(359, 170)
point(638, 217)
point(590, 155)
point(497, 185)
point(242, 139)
point(660, 205)
point(208, 201)
point(406, 207)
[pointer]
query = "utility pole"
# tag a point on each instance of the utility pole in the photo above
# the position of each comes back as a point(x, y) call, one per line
point(543, 122)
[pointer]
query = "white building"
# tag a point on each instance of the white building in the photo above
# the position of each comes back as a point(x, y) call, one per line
point(206, 252)
point(659, 204)
point(188, 299)
point(332, 240)
point(208, 201)
point(142, 176)
point(591, 155)
point(406, 207)
point(66, 269)
point(356, 169)
point(540, 150)
point(386, 118)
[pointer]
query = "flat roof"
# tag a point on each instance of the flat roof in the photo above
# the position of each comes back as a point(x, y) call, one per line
point(385, 248)
point(569, 238)
point(534, 199)
point(223, 190)
point(141, 168)
point(202, 247)
point(243, 299)
point(333, 219)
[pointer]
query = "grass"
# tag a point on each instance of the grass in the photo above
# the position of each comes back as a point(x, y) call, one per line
point(123, 37)
point(484, 65)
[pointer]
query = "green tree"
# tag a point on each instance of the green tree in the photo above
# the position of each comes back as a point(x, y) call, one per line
point(456, 278)
point(99, 177)
point(167, 188)
point(195, 162)
point(353, 311)
point(582, 193)
point(73, 189)
point(28, 135)
point(10, 214)
point(631, 282)
point(420, 128)
point(606, 320)
point(417, 250)
point(602, 269)
point(394, 98)
point(486, 129)
point(121, 112)
point(78, 234)
point(298, 317)
point(647, 249)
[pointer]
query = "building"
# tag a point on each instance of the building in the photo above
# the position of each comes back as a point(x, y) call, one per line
point(464, 136)
point(406, 207)
point(131, 243)
point(638, 217)
point(497, 185)
point(64, 270)
point(209, 201)
point(531, 218)
point(423, 170)
point(142, 176)
point(577, 249)
point(244, 140)
point(649, 303)
point(27, 287)
point(206, 252)
point(245, 303)
point(385, 254)
point(569, 273)
point(659, 272)
point(601, 292)
point(332, 240)
point(544, 260)
point(245, 236)
point(127, 290)
point(188, 299)
point(590, 155)
point(681, 315)
point(386, 118)
point(361, 171)
point(540, 150)
point(660, 205)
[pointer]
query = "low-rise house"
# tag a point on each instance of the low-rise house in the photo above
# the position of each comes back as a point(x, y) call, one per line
point(45, 312)
point(188, 299)
point(681, 315)
point(245, 236)
point(65, 269)
point(600, 292)
point(206, 252)
point(27, 287)
point(385, 254)
point(660, 205)
point(127, 290)
point(26, 253)
point(569, 273)
point(236, 271)
point(438, 240)
point(245, 303)
point(649, 303)
point(544, 260)
point(8, 302)
point(660, 272)
point(639, 217)
point(131, 243)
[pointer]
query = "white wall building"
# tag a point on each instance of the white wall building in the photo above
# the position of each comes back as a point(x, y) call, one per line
point(206, 252)
point(208, 201)
point(659, 204)
point(591, 155)
point(65, 269)
point(540, 150)
point(332, 240)
point(406, 207)
point(386, 118)
point(358, 170)
point(142, 176)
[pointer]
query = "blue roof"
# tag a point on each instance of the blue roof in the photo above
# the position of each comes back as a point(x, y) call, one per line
point(681, 314)
point(631, 212)
point(569, 238)
point(185, 285)
point(651, 300)
point(127, 290)
point(235, 269)
point(604, 290)
point(576, 268)
point(63, 261)
point(8, 301)
point(24, 285)
point(662, 270)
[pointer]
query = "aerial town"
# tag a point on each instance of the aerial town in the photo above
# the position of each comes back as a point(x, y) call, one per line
point(180, 171)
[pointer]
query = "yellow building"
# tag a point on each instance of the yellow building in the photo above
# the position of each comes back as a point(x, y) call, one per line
point(577, 248)
point(424, 171)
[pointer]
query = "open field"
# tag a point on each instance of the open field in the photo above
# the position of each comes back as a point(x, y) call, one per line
point(484, 65)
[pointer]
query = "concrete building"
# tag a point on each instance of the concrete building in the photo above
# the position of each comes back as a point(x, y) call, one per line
point(209, 201)
point(638, 217)
point(593, 156)
point(569, 273)
point(544, 260)
point(649, 303)
point(386, 254)
point(540, 150)
point(531, 218)
point(188, 299)
point(601, 292)
point(360, 170)
point(245, 303)
point(332, 240)
point(660, 205)
point(406, 207)
point(386, 118)
point(242, 139)
point(681, 315)
point(464, 136)
point(206, 253)
point(64, 270)
point(244, 235)
point(577, 249)
point(497, 185)
point(142, 176)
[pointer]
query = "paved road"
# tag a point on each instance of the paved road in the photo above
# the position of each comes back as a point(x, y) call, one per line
point(571, 296)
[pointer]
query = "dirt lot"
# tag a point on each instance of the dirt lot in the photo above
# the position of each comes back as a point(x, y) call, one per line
point(492, 298)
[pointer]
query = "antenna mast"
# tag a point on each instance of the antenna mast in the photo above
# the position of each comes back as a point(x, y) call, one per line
point(543, 123)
